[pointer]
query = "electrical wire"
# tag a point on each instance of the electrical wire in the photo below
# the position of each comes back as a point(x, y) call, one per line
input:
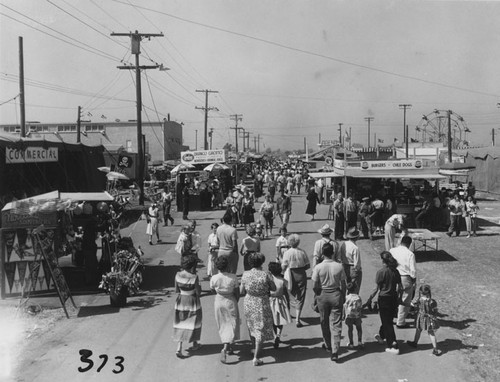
point(90, 48)
point(86, 24)
point(12, 99)
point(310, 53)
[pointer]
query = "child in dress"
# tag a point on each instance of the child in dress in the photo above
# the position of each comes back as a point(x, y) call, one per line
point(213, 249)
point(426, 317)
point(281, 244)
point(352, 313)
point(279, 302)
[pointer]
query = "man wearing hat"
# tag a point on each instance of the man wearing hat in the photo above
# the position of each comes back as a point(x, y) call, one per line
point(338, 247)
point(353, 257)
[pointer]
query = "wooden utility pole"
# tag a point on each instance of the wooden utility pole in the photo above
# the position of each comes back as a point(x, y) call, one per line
point(449, 136)
point(340, 134)
point(79, 125)
point(21, 88)
point(135, 39)
point(210, 133)
point(196, 140)
point(258, 143)
point(369, 119)
point(206, 108)
point(405, 106)
point(236, 118)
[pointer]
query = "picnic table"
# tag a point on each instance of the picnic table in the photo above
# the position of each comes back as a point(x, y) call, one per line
point(421, 238)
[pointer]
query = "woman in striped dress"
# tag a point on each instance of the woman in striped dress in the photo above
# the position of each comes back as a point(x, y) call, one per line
point(188, 315)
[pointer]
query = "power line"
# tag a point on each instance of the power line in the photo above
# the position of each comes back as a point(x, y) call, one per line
point(90, 48)
point(86, 24)
point(330, 58)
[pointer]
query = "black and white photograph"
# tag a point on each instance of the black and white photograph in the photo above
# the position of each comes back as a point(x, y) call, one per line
point(229, 190)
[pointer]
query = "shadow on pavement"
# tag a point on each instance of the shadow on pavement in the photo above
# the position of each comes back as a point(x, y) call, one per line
point(159, 277)
point(370, 347)
point(460, 325)
point(450, 344)
point(144, 303)
point(486, 223)
point(88, 311)
point(424, 256)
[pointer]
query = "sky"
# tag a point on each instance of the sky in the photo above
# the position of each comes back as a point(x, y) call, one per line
point(293, 69)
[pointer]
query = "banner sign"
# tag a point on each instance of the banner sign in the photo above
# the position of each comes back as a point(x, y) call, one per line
point(203, 156)
point(391, 165)
point(31, 155)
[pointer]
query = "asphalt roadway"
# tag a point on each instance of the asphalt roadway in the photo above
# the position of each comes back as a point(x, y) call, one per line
point(141, 332)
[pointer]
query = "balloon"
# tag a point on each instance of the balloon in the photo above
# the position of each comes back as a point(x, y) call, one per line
point(102, 207)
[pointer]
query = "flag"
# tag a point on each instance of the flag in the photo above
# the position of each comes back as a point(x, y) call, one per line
point(417, 128)
point(380, 141)
point(103, 116)
point(89, 114)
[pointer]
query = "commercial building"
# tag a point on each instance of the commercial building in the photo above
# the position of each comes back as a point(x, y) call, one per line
point(163, 140)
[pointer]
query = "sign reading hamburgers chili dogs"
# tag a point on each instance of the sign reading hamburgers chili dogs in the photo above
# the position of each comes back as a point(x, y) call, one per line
point(203, 156)
point(391, 165)
point(31, 154)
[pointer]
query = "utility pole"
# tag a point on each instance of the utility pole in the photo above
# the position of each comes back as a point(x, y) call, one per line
point(405, 106)
point(369, 119)
point(493, 137)
point(210, 133)
point(449, 136)
point(206, 108)
point(258, 143)
point(340, 134)
point(247, 136)
point(79, 121)
point(196, 140)
point(135, 39)
point(350, 138)
point(21, 88)
point(244, 136)
point(255, 144)
point(236, 118)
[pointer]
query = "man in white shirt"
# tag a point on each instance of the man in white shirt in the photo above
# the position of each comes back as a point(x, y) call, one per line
point(407, 267)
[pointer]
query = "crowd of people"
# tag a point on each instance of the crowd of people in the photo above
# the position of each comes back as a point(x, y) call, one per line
point(275, 297)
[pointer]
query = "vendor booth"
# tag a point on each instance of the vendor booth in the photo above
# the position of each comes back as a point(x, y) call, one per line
point(50, 217)
point(404, 180)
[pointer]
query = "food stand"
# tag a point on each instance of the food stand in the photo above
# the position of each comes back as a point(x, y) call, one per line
point(205, 166)
point(371, 178)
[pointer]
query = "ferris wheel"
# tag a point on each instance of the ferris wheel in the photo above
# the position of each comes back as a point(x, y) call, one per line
point(433, 127)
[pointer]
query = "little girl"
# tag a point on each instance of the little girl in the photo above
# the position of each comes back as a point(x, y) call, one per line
point(426, 317)
point(213, 248)
point(352, 313)
point(279, 302)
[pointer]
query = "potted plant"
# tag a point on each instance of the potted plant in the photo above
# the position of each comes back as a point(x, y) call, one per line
point(125, 276)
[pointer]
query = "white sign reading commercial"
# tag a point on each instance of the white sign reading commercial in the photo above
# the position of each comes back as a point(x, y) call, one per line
point(203, 156)
point(391, 165)
point(31, 155)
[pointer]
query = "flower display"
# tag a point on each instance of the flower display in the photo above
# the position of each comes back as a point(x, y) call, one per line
point(125, 272)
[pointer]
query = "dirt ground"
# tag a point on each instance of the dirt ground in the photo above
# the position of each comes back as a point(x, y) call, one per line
point(464, 276)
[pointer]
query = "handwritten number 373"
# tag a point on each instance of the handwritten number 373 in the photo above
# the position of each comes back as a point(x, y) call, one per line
point(85, 358)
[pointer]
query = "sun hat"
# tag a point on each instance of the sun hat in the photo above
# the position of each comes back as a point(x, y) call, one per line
point(325, 230)
point(353, 233)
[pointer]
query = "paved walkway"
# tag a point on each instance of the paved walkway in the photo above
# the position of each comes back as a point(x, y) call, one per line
point(141, 332)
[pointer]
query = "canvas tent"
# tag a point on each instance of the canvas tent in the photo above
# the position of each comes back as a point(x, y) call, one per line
point(486, 160)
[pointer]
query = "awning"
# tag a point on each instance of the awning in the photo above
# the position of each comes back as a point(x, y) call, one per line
point(397, 176)
point(324, 175)
point(87, 196)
